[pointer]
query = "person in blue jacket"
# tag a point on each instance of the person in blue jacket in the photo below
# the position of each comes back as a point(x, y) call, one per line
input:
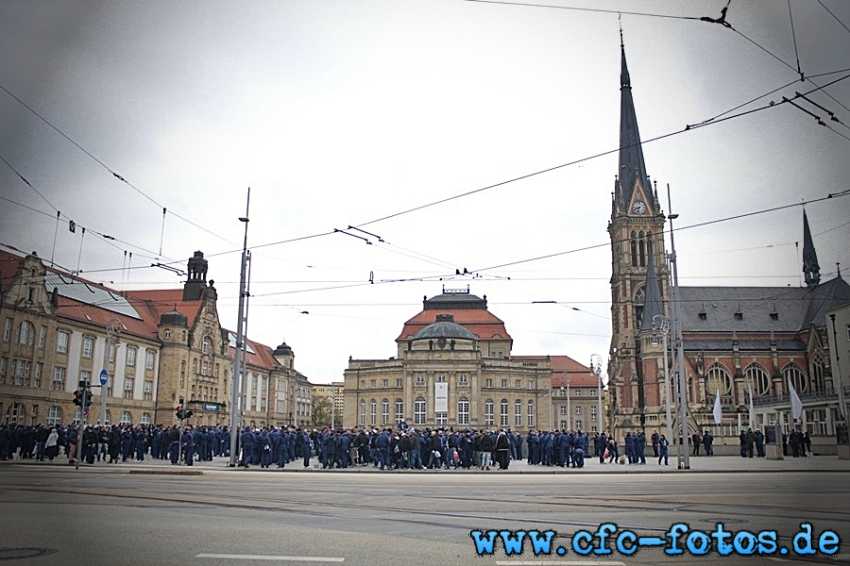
point(187, 441)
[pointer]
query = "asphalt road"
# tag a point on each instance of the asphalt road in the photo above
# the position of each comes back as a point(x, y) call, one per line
point(107, 516)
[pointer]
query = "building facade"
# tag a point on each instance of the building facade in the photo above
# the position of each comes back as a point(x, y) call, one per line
point(454, 369)
point(160, 348)
point(748, 343)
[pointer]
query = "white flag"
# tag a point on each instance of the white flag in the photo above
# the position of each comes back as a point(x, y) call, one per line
point(796, 404)
point(718, 411)
point(752, 407)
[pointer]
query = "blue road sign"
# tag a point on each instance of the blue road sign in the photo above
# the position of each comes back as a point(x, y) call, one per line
point(104, 377)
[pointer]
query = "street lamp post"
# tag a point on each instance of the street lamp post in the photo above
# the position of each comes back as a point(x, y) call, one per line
point(842, 402)
point(596, 367)
point(237, 373)
point(664, 324)
point(682, 452)
point(113, 329)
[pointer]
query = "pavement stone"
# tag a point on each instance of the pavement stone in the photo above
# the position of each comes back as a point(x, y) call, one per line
point(698, 464)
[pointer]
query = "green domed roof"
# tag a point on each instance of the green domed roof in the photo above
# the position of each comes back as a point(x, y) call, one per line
point(444, 327)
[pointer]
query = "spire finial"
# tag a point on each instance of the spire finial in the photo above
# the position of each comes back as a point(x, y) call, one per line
point(620, 20)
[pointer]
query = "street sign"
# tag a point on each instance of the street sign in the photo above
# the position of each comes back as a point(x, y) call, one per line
point(104, 377)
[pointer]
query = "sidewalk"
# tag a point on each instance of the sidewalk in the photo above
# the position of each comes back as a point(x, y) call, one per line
point(698, 464)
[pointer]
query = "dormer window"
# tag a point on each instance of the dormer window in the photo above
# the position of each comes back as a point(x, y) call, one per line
point(702, 314)
point(739, 314)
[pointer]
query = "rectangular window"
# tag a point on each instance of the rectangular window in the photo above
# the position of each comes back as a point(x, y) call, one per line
point(148, 390)
point(88, 346)
point(7, 330)
point(42, 336)
point(398, 383)
point(85, 376)
point(531, 384)
point(578, 410)
point(463, 380)
point(62, 342)
point(579, 424)
point(420, 379)
point(58, 379)
point(518, 384)
point(3, 362)
point(563, 410)
point(488, 384)
point(593, 392)
point(578, 393)
point(150, 358)
point(442, 418)
point(372, 386)
point(128, 388)
point(131, 356)
point(37, 375)
point(504, 384)
point(385, 383)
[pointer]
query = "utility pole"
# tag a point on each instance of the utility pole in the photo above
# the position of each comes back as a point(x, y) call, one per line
point(665, 329)
point(113, 329)
point(237, 378)
point(596, 367)
point(682, 453)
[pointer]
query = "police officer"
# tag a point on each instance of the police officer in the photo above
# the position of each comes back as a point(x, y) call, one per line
point(188, 443)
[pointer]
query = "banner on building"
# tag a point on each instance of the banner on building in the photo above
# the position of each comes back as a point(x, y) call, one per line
point(441, 397)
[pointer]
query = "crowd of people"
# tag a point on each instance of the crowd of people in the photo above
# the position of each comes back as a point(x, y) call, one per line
point(401, 447)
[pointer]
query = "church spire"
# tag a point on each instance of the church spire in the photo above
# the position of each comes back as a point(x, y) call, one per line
point(810, 258)
point(632, 168)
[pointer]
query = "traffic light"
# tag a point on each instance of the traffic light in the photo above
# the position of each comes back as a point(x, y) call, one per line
point(88, 398)
point(187, 413)
point(180, 413)
point(78, 398)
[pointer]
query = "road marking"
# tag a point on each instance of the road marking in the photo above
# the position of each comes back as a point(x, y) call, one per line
point(272, 558)
point(558, 563)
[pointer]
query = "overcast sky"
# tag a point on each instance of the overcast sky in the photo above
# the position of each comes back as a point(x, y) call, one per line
point(342, 113)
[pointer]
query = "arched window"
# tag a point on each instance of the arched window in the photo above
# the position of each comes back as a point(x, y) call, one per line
point(15, 414)
point(206, 345)
point(362, 412)
point(503, 413)
point(399, 410)
point(642, 249)
point(373, 412)
point(463, 411)
point(54, 416)
point(26, 333)
point(758, 376)
point(385, 411)
point(818, 382)
point(126, 418)
point(798, 378)
point(634, 249)
point(517, 413)
point(531, 413)
point(488, 412)
point(419, 411)
point(638, 302)
point(717, 377)
point(146, 419)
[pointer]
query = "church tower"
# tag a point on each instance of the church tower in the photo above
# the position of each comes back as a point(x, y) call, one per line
point(636, 230)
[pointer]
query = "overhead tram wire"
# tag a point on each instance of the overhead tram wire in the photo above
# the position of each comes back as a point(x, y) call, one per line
point(578, 9)
point(105, 237)
point(109, 169)
point(833, 15)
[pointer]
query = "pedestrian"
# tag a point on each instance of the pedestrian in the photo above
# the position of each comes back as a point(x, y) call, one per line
point(502, 448)
point(51, 445)
point(662, 449)
point(697, 441)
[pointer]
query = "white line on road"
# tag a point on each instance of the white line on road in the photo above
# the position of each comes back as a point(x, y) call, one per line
point(558, 563)
point(272, 558)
